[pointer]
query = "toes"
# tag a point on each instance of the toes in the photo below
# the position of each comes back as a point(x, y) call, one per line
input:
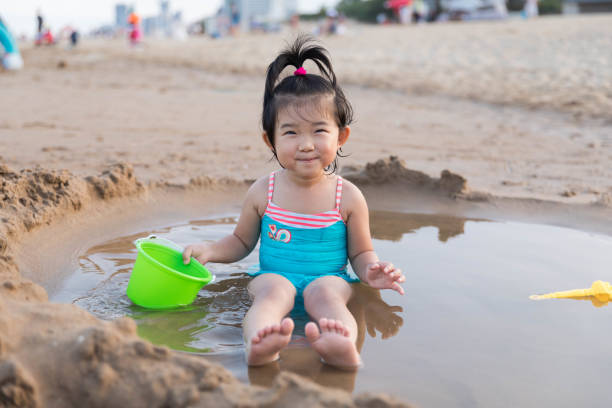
point(312, 332)
point(341, 329)
point(338, 327)
point(286, 326)
point(332, 326)
point(265, 331)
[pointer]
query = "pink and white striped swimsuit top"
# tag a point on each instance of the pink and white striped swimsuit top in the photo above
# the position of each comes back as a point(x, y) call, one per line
point(307, 221)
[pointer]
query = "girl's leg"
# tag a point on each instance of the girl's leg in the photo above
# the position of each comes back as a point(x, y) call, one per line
point(265, 334)
point(334, 339)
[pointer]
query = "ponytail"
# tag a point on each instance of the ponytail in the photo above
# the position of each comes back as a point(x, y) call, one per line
point(303, 48)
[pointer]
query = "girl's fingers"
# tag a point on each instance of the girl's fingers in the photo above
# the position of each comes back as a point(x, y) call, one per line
point(396, 287)
point(389, 268)
point(187, 254)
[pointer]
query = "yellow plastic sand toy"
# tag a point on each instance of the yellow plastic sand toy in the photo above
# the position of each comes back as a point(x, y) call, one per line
point(600, 293)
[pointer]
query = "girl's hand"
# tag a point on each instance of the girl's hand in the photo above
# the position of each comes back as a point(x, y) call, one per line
point(201, 252)
point(383, 275)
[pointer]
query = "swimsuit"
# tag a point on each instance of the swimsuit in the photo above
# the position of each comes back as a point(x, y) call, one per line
point(303, 247)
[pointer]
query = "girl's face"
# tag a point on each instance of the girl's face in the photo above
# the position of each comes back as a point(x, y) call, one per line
point(307, 138)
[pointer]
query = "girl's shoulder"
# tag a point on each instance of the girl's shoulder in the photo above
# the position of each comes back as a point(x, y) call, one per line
point(352, 198)
point(257, 195)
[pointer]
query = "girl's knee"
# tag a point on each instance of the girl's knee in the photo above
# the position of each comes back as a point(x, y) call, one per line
point(275, 288)
point(320, 292)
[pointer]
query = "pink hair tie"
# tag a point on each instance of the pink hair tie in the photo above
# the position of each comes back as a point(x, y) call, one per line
point(300, 71)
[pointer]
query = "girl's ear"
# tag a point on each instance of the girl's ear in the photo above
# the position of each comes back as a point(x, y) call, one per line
point(343, 135)
point(266, 140)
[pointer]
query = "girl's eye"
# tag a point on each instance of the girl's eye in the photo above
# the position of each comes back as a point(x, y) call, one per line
point(321, 130)
point(289, 132)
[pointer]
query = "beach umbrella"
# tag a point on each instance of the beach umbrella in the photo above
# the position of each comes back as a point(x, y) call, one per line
point(397, 4)
point(600, 293)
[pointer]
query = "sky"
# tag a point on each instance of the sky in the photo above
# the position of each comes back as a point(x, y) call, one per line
point(20, 15)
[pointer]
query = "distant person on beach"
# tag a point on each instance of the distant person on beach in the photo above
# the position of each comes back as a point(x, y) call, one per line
point(331, 22)
point(39, 22)
point(419, 11)
point(135, 34)
point(310, 221)
point(43, 33)
point(74, 38)
point(530, 9)
point(234, 19)
point(45, 38)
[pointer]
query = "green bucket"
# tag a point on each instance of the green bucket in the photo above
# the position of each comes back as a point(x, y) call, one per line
point(160, 279)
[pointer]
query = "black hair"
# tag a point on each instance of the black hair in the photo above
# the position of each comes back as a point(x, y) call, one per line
point(293, 87)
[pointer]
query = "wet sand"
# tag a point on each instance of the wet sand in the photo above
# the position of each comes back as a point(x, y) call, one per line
point(183, 116)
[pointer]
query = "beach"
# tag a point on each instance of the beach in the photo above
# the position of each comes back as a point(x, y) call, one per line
point(505, 119)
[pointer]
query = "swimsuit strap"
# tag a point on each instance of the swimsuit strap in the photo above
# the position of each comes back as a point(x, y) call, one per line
point(270, 187)
point(338, 193)
point(338, 190)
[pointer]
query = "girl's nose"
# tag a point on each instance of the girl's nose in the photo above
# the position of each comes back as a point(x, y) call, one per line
point(306, 145)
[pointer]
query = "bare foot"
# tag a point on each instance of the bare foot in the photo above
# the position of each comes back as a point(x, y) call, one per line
point(333, 343)
point(267, 342)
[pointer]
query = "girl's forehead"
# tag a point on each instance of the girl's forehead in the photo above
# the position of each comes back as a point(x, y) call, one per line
point(311, 110)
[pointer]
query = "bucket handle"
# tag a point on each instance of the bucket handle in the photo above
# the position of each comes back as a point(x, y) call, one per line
point(168, 243)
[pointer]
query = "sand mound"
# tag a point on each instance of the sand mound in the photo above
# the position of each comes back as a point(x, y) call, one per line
point(59, 355)
point(394, 171)
point(33, 197)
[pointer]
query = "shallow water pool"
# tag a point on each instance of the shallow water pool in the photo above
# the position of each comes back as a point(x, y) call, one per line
point(465, 334)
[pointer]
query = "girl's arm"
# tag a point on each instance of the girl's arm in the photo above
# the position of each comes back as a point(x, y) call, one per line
point(241, 242)
point(365, 262)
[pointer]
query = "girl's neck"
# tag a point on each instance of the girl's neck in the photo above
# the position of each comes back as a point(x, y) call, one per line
point(304, 182)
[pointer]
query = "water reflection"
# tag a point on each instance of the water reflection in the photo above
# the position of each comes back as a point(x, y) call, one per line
point(177, 328)
point(392, 226)
point(216, 314)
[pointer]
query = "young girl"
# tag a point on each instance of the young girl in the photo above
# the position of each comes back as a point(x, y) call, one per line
point(309, 219)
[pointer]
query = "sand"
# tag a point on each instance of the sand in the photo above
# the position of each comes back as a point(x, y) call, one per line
point(505, 120)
